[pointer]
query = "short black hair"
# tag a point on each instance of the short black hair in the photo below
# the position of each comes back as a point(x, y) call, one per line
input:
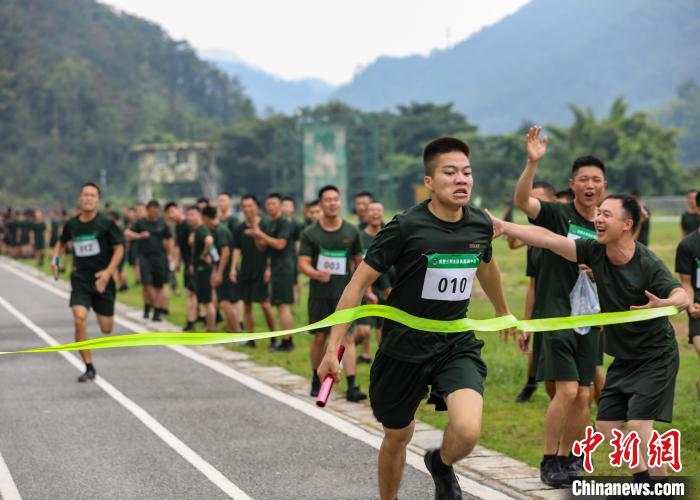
point(630, 205)
point(91, 184)
point(364, 193)
point(289, 198)
point(250, 196)
point(439, 147)
point(274, 195)
point(170, 205)
point(565, 193)
point(195, 208)
point(697, 198)
point(587, 161)
point(153, 203)
point(327, 187)
point(548, 188)
point(225, 193)
point(209, 212)
point(312, 203)
point(203, 200)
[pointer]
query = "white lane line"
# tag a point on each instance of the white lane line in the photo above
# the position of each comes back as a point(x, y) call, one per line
point(8, 488)
point(211, 473)
point(341, 425)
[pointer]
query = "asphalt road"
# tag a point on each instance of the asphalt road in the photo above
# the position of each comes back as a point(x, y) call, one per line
point(213, 437)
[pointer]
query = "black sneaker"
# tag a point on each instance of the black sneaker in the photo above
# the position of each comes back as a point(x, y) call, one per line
point(123, 288)
point(201, 319)
point(189, 327)
point(146, 312)
point(315, 387)
point(354, 394)
point(573, 467)
point(446, 485)
point(363, 359)
point(250, 343)
point(526, 393)
point(553, 475)
point(219, 317)
point(87, 376)
point(156, 315)
point(273, 344)
point(285, 346)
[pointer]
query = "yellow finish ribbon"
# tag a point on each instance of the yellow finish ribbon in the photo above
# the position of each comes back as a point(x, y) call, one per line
point(349, 315)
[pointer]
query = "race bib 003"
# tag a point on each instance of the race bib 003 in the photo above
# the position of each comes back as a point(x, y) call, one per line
point(450, 276)
point(333, 261)
point(86, 245)
point(576, 232)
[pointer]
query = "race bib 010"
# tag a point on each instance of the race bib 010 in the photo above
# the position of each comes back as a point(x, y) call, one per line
point(333, 261)
point(450, 276)
point(576, 232)
point(86, 245)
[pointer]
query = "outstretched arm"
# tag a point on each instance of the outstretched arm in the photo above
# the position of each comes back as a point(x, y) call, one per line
point(537, 237)
point(536, 150)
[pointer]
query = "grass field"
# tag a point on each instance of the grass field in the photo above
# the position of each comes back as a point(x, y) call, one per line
point(508, 427)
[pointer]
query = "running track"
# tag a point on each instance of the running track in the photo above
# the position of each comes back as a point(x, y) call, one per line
point(160, 422)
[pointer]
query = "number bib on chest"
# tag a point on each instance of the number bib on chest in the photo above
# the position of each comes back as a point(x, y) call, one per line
point(86, 245)
point(576, 232)
point(333, 261)
point(449, 276)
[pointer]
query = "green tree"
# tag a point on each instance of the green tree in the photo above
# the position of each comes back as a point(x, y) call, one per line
point(639, 154)
point(418, 123)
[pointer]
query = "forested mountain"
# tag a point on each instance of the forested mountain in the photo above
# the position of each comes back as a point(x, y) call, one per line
point(683, 113)
point(80, 82)
point(269, 92)
point(551, 53)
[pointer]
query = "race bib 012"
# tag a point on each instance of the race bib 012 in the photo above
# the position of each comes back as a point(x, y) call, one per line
point(576, 232)
point(333, 261)
point(450, 276)
point(86, 245)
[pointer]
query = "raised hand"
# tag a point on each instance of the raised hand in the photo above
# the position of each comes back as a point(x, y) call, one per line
point(536, 148)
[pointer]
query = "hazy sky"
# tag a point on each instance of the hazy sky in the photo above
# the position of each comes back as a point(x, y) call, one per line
point(315, 38)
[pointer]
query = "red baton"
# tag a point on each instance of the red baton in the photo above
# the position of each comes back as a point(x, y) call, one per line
point(327, 383)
